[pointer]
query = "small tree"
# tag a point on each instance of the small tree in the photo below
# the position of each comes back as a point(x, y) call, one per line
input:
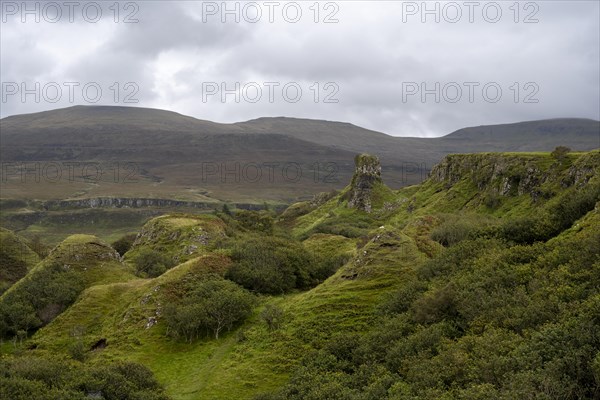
point(224, 305)
point(560, 153)
point(210, 307)
point(273, 316)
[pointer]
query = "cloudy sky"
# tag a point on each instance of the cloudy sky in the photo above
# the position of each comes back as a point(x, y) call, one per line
point(400, 67)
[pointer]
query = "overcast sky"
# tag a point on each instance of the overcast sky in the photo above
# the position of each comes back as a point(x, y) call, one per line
point(379, 65)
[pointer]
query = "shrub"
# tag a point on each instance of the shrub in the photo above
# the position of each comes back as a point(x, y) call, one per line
point(77, 350)
point(13, 269)
point(560, 216)
point(255, 221)
point(33, 377)
point(560, 152)
point(273, 316)
point(210, 307)
point(456, 228)
point(39, 247)
point(435, 306)
point(39, 299)
point(324, 266)
point(528, 229)
point(270, 265)
point(151, 263)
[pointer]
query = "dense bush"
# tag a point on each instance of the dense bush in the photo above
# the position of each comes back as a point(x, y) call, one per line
point(271, 265)
point(260, 221)
point(39, 299)
point(325, 265)
point(273, 316)
point(485, 319)
point(350, 225)
point(151, 263)
point(457, 227)
point(16, 258)
point(560, 152)
point(208, 308)
point(561, 215)
point(11, 270)
point(28, 377)
point(123, 244)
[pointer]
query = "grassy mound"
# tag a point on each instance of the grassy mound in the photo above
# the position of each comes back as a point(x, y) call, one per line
point(80, 261)
point(16, 258)
point(179, 237)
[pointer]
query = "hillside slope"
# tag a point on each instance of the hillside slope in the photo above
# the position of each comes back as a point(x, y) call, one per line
point(168, 146)
point(49, 288)
point(16, 258)
point(482, 282)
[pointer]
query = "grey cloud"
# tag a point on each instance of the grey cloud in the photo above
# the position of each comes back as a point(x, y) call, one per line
point(370, 53)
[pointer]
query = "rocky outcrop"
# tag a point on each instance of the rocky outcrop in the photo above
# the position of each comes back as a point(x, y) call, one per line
point(120, 202)
point(515, 174)
point(134, 202)
point(367, 174)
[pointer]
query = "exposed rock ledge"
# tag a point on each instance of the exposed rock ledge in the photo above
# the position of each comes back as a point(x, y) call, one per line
point(131, 202)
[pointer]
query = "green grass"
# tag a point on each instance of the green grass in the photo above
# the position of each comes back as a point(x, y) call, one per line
point(251, 359)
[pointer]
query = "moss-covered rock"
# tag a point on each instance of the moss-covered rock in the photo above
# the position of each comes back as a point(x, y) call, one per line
point(181, 237)
point(367, 175)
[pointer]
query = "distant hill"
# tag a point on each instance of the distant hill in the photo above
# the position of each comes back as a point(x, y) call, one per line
point(190, 159)
point(529, 136)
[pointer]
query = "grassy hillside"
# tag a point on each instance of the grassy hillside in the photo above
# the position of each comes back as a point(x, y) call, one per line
point(480, 283)
point(50, 287)
point(16, 258)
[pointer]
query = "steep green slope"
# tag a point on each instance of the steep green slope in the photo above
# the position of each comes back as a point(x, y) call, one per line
point(54, 284)
point(16, 258)
point(486, 319)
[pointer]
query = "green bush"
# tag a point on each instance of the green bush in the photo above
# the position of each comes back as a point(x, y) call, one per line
point(33, 377)
point(559, 216)
point(560, 152)
point(77, 350)
point(261, 221)
point(273, 316)
point(271, 265)
point(151, 263)
point(39, 299)
point(211, 307)
point(457, 227)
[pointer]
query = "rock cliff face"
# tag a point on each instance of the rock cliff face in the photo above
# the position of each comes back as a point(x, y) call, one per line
point(116, 202)
point(367, 174)
point(516, 174)
point(133, 202)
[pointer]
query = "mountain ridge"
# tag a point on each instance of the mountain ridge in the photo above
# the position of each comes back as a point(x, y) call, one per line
point(171, 150)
